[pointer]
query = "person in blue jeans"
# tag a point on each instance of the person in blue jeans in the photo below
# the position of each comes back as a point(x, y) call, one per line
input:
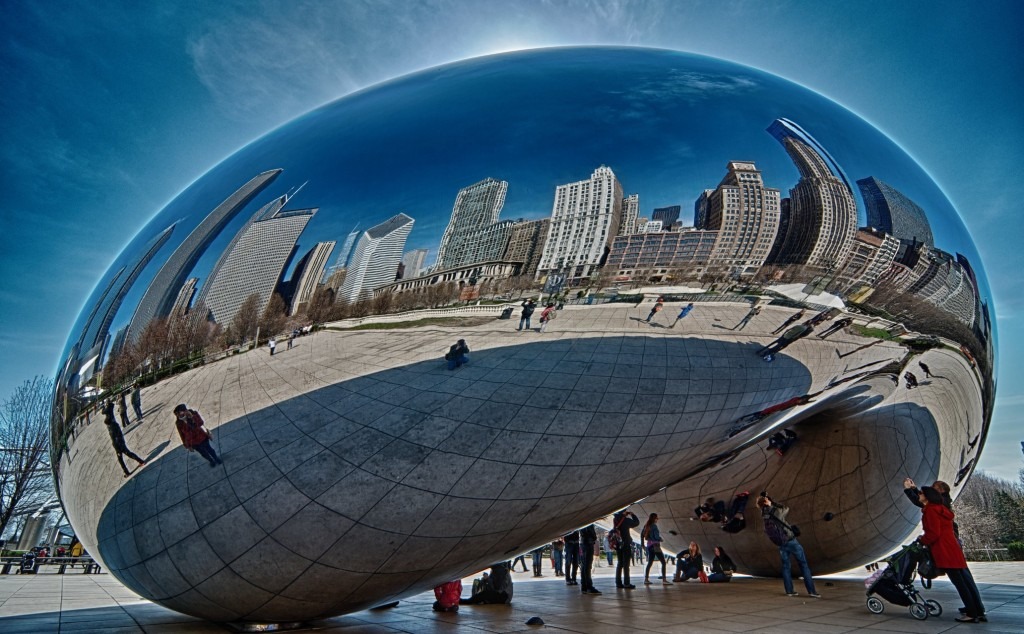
point(457, 354)
point(783, 536)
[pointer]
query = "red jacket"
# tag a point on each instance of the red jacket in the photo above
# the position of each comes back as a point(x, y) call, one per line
point(191, 429)
point(938, 535)
point(447, 594)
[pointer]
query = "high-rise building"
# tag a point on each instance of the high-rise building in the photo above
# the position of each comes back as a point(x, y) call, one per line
point(474, 233)
point(630, 215)
point(254, 263)
point(163, 288)
point(647, 256)
point(414, 261)
point(375, 259)
point(184, 299)
point(584, 219)
point(308, 274)
point(651, 226)
point(667, 215)
point(97, 326)
point(871, 255)
point(700, 210)
point(526, 244)
point(823, 212)
point(746, 215)
point(890, 211)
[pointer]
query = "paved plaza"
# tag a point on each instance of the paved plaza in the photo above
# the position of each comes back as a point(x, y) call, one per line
point(98, 603)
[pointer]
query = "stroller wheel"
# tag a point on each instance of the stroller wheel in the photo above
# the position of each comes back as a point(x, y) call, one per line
point(918, 611)
point(934, 607)
point(875, 606)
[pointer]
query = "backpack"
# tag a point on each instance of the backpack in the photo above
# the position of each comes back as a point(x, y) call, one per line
point(614, 539)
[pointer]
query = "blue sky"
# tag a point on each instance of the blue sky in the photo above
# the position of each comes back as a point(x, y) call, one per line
point(110, 110)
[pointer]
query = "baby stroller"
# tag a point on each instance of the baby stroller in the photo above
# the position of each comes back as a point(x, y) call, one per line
point(895, 584)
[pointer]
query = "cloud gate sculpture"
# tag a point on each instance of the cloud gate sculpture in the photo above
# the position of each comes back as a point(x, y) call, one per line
point(716, 255)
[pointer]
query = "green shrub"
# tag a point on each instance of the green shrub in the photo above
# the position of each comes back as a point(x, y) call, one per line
point(1015, 550)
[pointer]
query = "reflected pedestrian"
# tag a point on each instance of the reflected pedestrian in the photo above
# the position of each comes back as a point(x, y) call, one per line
point(682, 313)
point(753, 312)
point(194, 435)
point(272, 344)
point(911, 380)
point(546, 316)
point(122, 409)
point(927, 371)
point(524, 317)
point(658, 305)
point(137, 401)
point(787, 339)
point(117, 439)
point(456, 355)
point(789, 321)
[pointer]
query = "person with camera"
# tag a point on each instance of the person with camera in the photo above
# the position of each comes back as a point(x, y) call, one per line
point(785, 536)
point(624, 520)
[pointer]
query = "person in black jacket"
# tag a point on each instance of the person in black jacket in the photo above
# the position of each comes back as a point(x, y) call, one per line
point(624, 520)
point(588, 538)
point(721, 567)
point(457, 354)
point(497, 588)
point(524, 317)
point(117, 439)
point(689, 563)
point(572, 557)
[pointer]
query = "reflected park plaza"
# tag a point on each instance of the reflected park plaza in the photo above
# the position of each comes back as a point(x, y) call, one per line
point(355, 468)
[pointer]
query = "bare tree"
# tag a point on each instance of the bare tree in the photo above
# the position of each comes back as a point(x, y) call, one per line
point(243, 326)
point(24, 447)
point(274, 316)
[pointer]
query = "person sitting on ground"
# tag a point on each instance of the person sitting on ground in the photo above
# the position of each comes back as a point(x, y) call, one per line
point(457, 354)
point(495, 589)
point(447, 595)
point(722, 567)
point(689, 563)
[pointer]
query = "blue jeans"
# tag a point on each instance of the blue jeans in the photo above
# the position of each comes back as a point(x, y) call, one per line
point(557, 556)
point(205, 450)
point(794, 548)
point(524, 320)
point(457, 361)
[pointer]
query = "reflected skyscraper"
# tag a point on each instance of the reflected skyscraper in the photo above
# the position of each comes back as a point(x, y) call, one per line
point(163, 288)
point(474, 233)
point(630, 215)
point(746, 215)
point(376, 257)
point(584, 219)
point(308, 274)
point(823, 212)
point(892, 212)
point(253, 266)
point(667, 215)
point(413, 261)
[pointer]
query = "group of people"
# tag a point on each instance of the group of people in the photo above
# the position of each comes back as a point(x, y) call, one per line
point(191, 429)
point(792, 334)
point(526, 314)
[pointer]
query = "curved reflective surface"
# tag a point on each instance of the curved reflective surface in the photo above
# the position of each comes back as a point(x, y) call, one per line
point(732, 256)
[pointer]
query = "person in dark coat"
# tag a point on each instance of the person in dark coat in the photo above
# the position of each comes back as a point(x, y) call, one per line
point(588, 538)
point(524, 317)
point(122, 409)
point(790, 320)
point(624, 520)
point(457, 354)
point(496, 589)
point(689, 563)
point(117, 439)
point(572, 557)
point(722, 567)
point(137, 401)
point(194, 436)
point(787, 339)
point(937, 521)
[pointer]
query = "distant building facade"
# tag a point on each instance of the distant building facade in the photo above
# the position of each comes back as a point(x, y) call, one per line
point(892, 212)
point(255, 263)
point(375, 261)
point(473, 233)
point(526, 244)
point(163, 288)
point(630, 215)
point(310, 272)
point(823, 212)
point(642, 256)
point(667, 215)
point(584, 219)
point(414, 262)
point(745, 214)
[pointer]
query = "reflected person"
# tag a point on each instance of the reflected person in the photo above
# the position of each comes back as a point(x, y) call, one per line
point(194, 435)
point(117, 439)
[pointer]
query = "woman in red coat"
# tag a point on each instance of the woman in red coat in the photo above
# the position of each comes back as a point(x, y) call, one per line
point(937, 521)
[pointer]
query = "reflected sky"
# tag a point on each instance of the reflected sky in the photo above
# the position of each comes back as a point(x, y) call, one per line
point(666, 122)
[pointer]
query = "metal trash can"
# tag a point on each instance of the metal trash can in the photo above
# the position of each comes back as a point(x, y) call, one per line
point(29, 564)
point(506, 314)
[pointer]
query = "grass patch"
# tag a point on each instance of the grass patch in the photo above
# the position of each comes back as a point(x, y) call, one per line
point(874, 333)
point(464, 322)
